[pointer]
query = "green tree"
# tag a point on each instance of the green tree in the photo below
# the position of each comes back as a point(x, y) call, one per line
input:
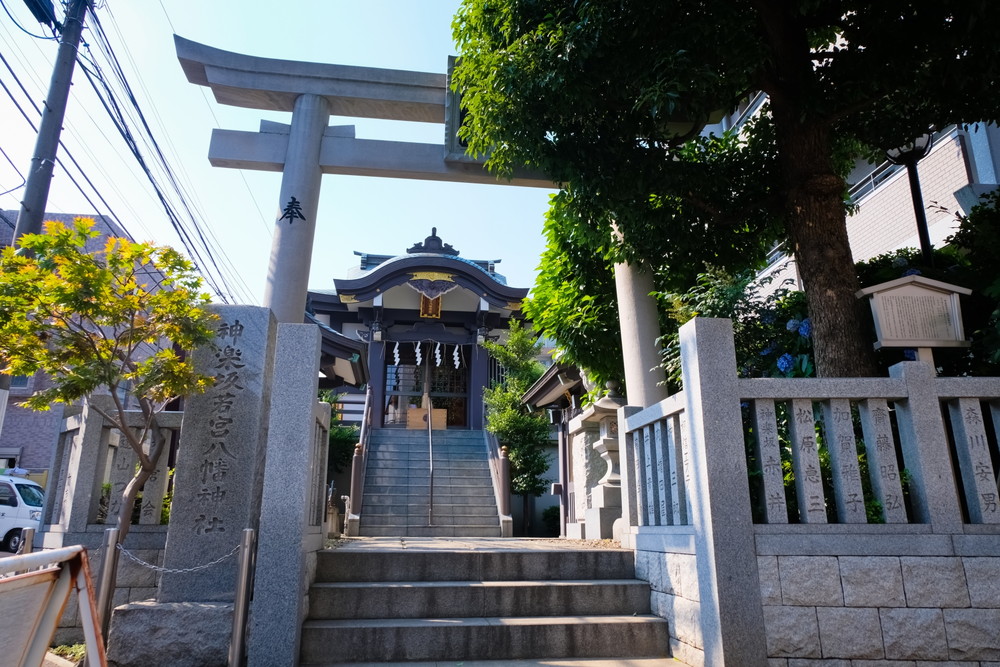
point(342, 437)
point(116, 318)
point(603, 95)
point(574, 299)
point(523, 433)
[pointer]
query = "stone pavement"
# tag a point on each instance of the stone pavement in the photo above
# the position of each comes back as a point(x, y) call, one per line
point(467, 543)
point(550, 662)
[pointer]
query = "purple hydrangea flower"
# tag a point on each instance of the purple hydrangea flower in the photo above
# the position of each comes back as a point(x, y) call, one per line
point(785, 362)
point(793, 324)
point(912, 272)
point(805, 328)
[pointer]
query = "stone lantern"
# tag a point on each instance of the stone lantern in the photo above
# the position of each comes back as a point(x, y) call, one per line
point(595, 445)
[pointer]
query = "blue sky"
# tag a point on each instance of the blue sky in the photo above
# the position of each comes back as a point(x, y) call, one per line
point(356, 213)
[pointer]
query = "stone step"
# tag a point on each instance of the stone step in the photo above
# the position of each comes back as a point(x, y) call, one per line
point(484, 598)
point(559, 565)
point(492, 530)
point(369, 519)
point(452, 494)
point(417, 457)
point(465, 638)
point(420, 442)
point(443, 510)
point(383, 475)
point(420, 461)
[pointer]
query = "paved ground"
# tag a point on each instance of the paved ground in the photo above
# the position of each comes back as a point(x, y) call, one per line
point(466, 544)
point(549, 662)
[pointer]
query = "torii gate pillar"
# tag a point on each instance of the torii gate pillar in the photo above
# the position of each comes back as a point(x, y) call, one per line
point(295, 228)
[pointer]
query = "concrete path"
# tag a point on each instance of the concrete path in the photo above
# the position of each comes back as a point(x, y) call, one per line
point(552, 662)
point(467, 544)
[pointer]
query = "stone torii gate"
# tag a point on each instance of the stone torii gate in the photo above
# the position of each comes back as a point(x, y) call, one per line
point(308, 148)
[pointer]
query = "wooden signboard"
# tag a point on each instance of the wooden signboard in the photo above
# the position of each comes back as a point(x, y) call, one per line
point(917, 312)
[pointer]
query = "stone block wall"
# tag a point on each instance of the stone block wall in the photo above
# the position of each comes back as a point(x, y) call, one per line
point(849, 610)
point(673, 579)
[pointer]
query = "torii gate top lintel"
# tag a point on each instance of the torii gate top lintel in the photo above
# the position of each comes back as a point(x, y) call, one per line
point(273, 85)
point(309, 147)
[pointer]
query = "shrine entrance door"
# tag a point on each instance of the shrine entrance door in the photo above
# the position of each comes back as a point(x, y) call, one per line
point(440, 371)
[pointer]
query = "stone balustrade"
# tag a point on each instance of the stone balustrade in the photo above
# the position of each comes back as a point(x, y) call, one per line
point(787, 520)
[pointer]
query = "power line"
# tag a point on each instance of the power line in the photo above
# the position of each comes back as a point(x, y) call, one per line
point(65, 150)
point(22, 28)
point(206, 255)
point(126, 113)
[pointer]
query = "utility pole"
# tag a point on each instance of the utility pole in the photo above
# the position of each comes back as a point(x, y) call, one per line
point(36, 189)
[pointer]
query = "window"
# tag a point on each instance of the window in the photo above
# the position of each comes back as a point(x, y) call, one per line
point(19, 382)
point(7, 496)
point(31, 494)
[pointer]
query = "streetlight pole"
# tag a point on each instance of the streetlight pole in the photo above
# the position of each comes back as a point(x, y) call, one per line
point(908, 156)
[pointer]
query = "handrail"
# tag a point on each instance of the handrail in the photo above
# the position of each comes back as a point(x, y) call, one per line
point(359, 468)
point(501, 486)
point(430, 456)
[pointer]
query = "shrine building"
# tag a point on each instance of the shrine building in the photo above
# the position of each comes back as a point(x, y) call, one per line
point(422, 317)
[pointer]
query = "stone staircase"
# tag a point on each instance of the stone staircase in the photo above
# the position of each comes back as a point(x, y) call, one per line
point(397, 485)
point(557, 606)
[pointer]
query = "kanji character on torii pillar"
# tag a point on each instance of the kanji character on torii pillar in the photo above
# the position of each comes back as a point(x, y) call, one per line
point(309, 148)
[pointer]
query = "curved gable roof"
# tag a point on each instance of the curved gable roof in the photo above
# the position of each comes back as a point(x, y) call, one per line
point(405, 268)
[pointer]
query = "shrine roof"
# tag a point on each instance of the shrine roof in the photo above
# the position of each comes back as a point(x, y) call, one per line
point(426, 266)
point(431, 260)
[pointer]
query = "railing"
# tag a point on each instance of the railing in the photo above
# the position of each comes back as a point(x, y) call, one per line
point(848, 451)
point(359, 468)
point(430, 463)
point(733, 475)
point(874, 450)
point(657, 451)
point(500, 473)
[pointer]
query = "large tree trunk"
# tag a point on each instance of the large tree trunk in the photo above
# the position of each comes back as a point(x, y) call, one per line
point(814, 207)
point(817, 229)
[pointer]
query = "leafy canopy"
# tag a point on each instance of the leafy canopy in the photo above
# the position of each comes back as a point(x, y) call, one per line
point(588, 93)
point(106, 317)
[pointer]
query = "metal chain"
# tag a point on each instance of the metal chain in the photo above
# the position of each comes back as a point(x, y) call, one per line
point(182, 570)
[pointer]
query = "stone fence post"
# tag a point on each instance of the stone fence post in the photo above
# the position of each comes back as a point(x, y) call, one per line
point(732, 617)
point(922, 438)
point(294, 500)
point(79, 466)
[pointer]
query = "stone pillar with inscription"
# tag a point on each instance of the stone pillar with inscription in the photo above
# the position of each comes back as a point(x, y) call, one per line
point(217, 489)
point(217, 477)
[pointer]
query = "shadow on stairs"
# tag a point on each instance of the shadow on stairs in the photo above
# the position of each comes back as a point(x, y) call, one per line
point(510, 602)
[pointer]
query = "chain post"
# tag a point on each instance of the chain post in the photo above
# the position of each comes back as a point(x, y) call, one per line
point(241, 605)
point(109, 571)
point(27, 541)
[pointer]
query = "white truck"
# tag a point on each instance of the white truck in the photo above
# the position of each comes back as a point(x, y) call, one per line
point(21, 503)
